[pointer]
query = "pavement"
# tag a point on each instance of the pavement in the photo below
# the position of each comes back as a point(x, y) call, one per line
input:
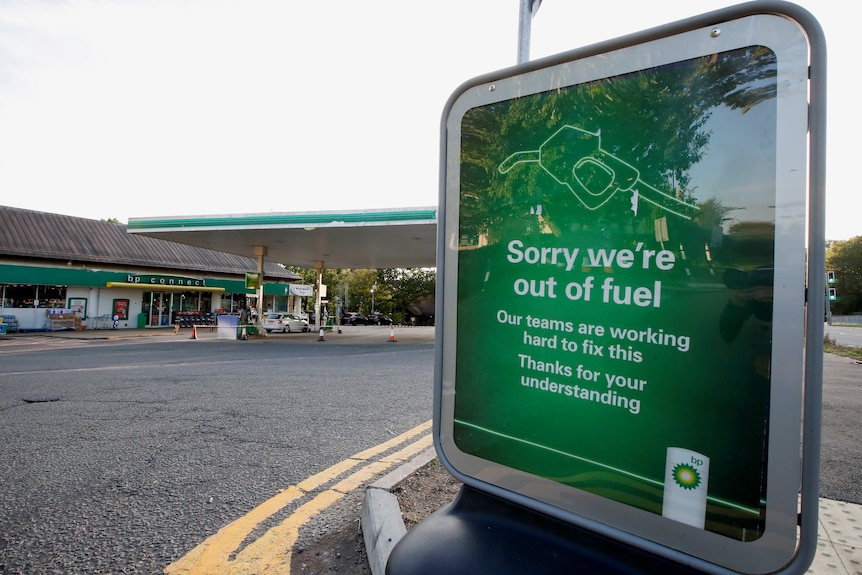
point(839, 545)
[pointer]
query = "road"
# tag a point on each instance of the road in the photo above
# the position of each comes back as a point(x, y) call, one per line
point(841, 444)
point(844, 335)
point(123, 456)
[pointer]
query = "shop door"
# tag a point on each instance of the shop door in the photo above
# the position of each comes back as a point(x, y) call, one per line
point(160, 309)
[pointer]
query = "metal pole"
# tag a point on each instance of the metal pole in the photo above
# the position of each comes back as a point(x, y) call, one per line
point(528, 9)
point(318, 267)
point(260, 252)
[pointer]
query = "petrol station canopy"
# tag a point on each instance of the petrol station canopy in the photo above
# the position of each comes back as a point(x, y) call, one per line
point(365, 239)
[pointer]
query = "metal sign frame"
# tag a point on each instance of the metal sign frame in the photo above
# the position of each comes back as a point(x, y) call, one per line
point(595, 173)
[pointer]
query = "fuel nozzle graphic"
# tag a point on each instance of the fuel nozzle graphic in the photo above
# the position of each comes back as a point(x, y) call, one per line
point(574, 157)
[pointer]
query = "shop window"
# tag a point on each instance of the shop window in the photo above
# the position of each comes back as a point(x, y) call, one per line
point(23, 296)
point(53, 297)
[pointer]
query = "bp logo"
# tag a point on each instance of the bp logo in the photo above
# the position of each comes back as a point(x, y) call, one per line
point(686, 476)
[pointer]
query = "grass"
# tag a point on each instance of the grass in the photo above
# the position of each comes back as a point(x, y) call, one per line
point(833, 347)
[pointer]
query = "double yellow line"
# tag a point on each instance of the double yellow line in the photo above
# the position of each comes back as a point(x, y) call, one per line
point(270, 554)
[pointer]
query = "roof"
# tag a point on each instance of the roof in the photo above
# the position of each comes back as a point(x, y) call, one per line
point(44, 236)
point(368, 239)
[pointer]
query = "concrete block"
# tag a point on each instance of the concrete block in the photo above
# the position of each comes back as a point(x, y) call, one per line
point(382, 527)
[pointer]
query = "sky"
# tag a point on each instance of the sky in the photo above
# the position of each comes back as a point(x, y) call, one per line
point(126, 109)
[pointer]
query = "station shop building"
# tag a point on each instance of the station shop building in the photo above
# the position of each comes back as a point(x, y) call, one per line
point(54, 266)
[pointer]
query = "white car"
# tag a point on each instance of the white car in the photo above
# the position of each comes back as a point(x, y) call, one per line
point(284, 322)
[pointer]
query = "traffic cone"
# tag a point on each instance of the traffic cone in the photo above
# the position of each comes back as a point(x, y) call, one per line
point(391, 333)
point(243, 336)
point(320, 337)
point(194, 332)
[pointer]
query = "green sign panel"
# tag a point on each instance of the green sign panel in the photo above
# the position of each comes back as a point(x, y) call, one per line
point(252, 280)
point(624, 261)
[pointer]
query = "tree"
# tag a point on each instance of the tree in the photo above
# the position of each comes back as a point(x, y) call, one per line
point(355, 289)
point(845, 259)
point(331, 279)
point(656, 120)
point(395, 289)
point(409, 287)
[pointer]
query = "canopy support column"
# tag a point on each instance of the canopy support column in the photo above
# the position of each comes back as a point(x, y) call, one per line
point(318, 280)
point(260, 252)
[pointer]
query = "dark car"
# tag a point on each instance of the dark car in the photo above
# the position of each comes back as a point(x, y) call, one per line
point(378, 318)
point(354, 318)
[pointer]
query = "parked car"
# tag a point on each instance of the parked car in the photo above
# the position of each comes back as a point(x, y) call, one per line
point(378, 318)
point(284, 322)
point(353, 318)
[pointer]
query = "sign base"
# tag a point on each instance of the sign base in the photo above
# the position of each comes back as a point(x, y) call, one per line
point(481, 533)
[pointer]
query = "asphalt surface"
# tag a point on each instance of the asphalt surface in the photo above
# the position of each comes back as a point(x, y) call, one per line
point(121, 454)
point(841, 441)
point(841, 463)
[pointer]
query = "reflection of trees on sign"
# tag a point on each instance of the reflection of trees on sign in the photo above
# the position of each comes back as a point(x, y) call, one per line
point(575, 158)
point(653, 120)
